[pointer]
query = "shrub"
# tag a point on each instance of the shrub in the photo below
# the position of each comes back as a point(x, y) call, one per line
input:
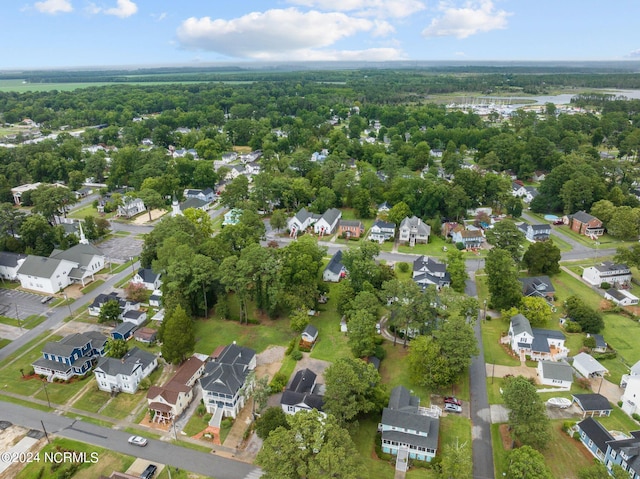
point(607, 355)
point(460, 246)
point(226, 423)
point(572, 327)
point(403, 267)
point(567, 425)
point(145, 384)
point(589, 342)
point(279, 382)
point(636, 416)
point(605, 285)
point(296, 355)
point(619, 403)
point(292, 344)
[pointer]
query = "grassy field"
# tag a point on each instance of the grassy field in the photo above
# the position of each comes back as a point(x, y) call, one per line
point(622, 334)
point(106, 461)
point(494, 352)
point(29, 322)
point(60, 393)
point(332, 343)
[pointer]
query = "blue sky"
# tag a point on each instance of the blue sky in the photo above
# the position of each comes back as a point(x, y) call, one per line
point(75, 33)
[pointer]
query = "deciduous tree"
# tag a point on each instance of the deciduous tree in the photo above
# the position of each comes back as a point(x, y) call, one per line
point(110, 312)
point(178, 337)
point(527, 463)
point(505, 235)
point(457, 269)
point(116, 348)
point(502, 278)
point(528, 420)
point(427, 365)
point(456, 461)
point(542, 257)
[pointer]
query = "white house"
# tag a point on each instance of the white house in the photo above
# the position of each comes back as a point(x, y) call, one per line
point(224, 381)
point(335, 270)
point(539, 344)
point(633, 371)
point(617, 275)
point(620, 297)
point(631, 396)
point(537, 232)
point(205, 195)
point(46, 275)
point(130, 207)
point(88, 259)
point(124, 375)
point(382, 231)
point(427, 271)
point(302, 394)
point(553, 373)
point(9, 264)
point(147, 278)
point(328, 222)
point(588, 367)
point(301, 221)
point(310, 334)
point(232, 217)
point(413, 230)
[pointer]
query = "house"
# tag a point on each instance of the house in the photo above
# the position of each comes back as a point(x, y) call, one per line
point(235, 171)
point(413, 230)
point(301, 221)
point(224, 381)
point(530, 194)
point(585, 224)
point(232, 217)
point(73, 355)
point(335, 270)
point(18, 191)
point(538, 286)
point(124, 375)
point(469, 238)
point(553, 373)
point(155, 300)
point(253, 168)
point(350, 228)
point(406, 431)
point(134, 316)
point(382, 231)
point(539, 344)
point(205, 195)
point(46, 275)
point(601, 345)
point(83, 192)
point(99, 301)
point(617, 275)
point(123, 331)
point(178, 209)
point(300, 395)
point(593, 404)
point(168, 402)
point(537, 232)
point(145, 335)
point(147, 278)
point(518, 189)
point(538, 176)
point(383, 207)
point(328, 222)
point(87, 258)
point(610, 450)
point(427, 271)
point(633, 371)
point(620, 297)
point(131, 207)
point(9, 264)
point(309, 335)
point(631, 396)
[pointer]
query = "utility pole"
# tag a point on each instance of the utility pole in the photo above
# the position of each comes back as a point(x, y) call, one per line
point(66, 299)
point(18, 317)
point(44, 385)
point(45, 432)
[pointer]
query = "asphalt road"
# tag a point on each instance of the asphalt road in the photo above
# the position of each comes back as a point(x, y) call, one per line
point(156, 451)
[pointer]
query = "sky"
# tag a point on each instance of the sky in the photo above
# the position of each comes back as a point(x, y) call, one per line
point(87, 33)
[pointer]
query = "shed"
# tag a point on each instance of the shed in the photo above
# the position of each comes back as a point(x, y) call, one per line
point(145, 335)
point(123, 331)
point(554, 373)
point(593, 404)
point(310, 334)
point(586, 365)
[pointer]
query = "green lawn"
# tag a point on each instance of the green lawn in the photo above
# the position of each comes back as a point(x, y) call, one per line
point(60, 393)
point(92, 400)
point(332, 343)
point(123, 404)
point(29, 322)
point(619, 421)
point(4, 342)
point(92, 286)
point(432, 248)
point(567, 285)
point(494, 352)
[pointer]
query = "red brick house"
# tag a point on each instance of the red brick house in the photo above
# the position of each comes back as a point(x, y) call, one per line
point(350, 228)
point(585, 224)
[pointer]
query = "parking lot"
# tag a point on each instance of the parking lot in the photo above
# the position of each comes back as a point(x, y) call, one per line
point(120, 249)
point(20, 304)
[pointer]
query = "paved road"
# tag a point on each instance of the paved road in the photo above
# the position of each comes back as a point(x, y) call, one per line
point(157, 451)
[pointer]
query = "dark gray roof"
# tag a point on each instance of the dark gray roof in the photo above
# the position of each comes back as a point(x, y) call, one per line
point(125, 366)
point(401, 399)
point(133, 314)
point(66, 345)
point(80, 253)
point(592, 402)
point(541, 338)
point(303, 381)
point(356, 223)
point(616, 294)
point(428, 442)
point(596, 432)
point(234, 354)
point(193, 203)
point(412, 421)
point(293, 398)
point(631, 448)
point(222, 378)
point(39, 266)
point(124, 328)
point(98, 339)
point(415, 222)
point(384, 224)
point(520, 324)
point(583, 216)
point(331, 215)
point(53, 365)
point(335, 264)
point(103, 298)
point(428, 263)
point(303, 215)
point(537, 286)
point(557, 370)
point(426, 278)
point(607, 266)
point(311, 330)
point(147, 275)
point(600, 342)
point(9, 259)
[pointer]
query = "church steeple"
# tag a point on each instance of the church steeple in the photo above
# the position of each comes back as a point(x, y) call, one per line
point(83, 238)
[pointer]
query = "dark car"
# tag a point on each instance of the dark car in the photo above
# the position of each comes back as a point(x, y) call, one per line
point(149, 472)
point(452, 400)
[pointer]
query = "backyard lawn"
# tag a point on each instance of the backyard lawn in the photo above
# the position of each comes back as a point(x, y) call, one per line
point(494, 352)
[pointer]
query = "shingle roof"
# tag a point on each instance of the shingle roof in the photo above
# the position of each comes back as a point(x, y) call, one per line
point(412, 421)
point(331, 215)
point(134, 358)
point(80, 253)
point(384, 224)
point(193, 203)
point(520, 324)
point(223, 378)
point(39, 266)
point(537, 285)
point(592, 402)
point(415, 222)
point(401, 399)
point(124, 328)
point(557, 370)
point(310, 330)
point(9, 259)
point(303, 381)
point(335, 264)
point(147, 275)
point(234, 354)
point(596, 432)
point(293, 398)
point(583, 217)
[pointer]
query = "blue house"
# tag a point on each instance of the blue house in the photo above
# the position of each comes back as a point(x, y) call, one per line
point(624, 452)
point(124, 330)
point(73, 355)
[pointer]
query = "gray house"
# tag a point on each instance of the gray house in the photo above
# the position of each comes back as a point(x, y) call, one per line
point(413, 230)
point(538, 232)
point(302, 394)
point(124, 375)
point(335, 270)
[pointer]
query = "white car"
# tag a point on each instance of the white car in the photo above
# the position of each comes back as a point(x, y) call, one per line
point(137, 441)
point(449, 407)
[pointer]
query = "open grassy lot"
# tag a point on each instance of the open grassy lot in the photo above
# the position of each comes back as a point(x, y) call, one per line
point(106, 462)
point(61, 393)
point(567, 285)
point(622, 333)
point(494, 352)
point(29, 322)
point(432, 248)
point(123, 404)
point(332, 343)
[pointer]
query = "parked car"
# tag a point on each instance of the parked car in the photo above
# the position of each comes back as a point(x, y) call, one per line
point(149, 472)
point(46, 299)
point(137, 441)
point(452, 407)
point(452, 400)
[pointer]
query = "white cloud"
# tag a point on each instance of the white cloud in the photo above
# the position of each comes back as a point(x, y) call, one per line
point(125, 9)
point(54, 6)
point(280, 34)
point(634, 53)
point(475, 17)
point(377, 8)
point(158, 17)
point(368, 55)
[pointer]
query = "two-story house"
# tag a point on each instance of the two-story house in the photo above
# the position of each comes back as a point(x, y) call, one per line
point(413, 230)
point(537, 232)
point(470, 238)
point(124, 375)
point(205, 195)
point(585, 224)
point(538, 287)
point(617, 275)
point(302, 394)
point(168, 402)
point(88, 259)
point(350, 228)
point(73, 355)
point(45, 275)
point(224, 381)
point(538, 344)
point(328, 222)
point(10, 263)
point(147, 278)
point(407, 432)
point(99, 301)
point(382, 231)
point(131, 207)
point(335, 270)
point(427, 271)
